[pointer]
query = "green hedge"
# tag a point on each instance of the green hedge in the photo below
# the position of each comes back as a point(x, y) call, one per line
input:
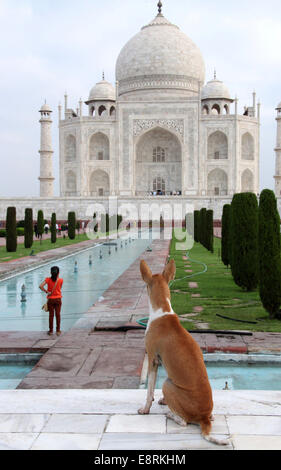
point(53, 228)
point(244, 241)
point(11, 228)
point(71, 225)
point(269, 249)
point(209, 231)
point(20, 232)
point(28, 228)
point(225, 235)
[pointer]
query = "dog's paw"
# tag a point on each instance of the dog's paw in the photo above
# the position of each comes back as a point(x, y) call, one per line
point(143, 411)
point(162, 402)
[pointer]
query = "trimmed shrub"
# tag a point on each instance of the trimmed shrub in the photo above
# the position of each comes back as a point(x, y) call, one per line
point(40, 224)
point(196, 226)
point(11, 230)
point(226, 235)
point(244, 240)
point(28, 228)
point(71, 225)
point(53, 228)
point(269, 250)
point(209, 241)
point(202, 227)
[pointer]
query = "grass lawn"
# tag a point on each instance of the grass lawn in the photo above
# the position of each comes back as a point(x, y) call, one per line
point(219, 294)
point(38, 248)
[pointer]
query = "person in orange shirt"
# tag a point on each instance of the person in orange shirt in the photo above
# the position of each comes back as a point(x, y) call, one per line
point(54, 296)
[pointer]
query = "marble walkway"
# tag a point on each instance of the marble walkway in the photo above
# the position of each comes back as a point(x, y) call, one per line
point(108, 420)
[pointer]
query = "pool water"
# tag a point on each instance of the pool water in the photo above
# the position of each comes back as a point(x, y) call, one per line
point(13, 369)
point(80, 289)
point(239, 376)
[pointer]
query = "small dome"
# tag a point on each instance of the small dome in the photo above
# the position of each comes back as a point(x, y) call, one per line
point(279, 106)
point(102, 91)
point(215, 89)
point(46, 108)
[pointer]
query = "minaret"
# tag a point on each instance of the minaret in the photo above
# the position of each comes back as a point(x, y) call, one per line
point(46, 153)
point(278, 154)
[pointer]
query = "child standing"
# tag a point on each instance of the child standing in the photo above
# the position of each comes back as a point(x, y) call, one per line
point(54, 285)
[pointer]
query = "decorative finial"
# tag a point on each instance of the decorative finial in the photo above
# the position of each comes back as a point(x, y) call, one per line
point(159, 8)
point(103, 75)
point(215, 74)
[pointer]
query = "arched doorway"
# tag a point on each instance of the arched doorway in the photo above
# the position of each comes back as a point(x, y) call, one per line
point(158, 168)
point(248, 147)
point(217, 146)
point(99, 147)
point(247, 181)
point(99, 184)
point(217, 183)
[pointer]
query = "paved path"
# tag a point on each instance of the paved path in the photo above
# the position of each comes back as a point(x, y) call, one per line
point(108, 420)
point(90, 356)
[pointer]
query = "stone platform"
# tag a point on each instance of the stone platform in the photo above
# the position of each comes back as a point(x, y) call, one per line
point(108, 420)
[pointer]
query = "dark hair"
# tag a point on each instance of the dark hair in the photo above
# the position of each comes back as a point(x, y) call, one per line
point(54, 273)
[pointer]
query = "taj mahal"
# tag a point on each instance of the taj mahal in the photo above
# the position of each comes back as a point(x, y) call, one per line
point(160, 131)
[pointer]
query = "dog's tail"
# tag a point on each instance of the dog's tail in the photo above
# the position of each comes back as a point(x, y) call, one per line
point(206, 427)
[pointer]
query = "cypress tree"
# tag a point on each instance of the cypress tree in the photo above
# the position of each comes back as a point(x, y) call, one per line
point(71, 225)
point(202, 227)
point(210, 231)
point(53, 228)
point(244, 228)
point(40, 224)
point(11, 230)
point(269, 250)
point(28, 228)
point(196, 226)
point(225, 235)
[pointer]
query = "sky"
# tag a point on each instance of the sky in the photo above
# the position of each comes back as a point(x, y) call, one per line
point(48, 47)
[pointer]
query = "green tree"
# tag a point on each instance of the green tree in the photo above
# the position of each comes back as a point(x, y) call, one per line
point(225, 235)
point(196, 226)
point(53, 228)
point(40, 224)
point(28, 228)
point(209, 231)
point(202, 226)
point(269, 253)
point(71, 225)
point(244, 240)
point(11, 230)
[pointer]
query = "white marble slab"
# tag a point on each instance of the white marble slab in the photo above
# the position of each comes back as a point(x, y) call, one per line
point(255, 425)
point(77, 423)
point(17, 441)
point(67, 441)
point(248, 402)
point(244, 442)
point(219, 426)
point(147, 441)
point(23, 423)
point(137, 424)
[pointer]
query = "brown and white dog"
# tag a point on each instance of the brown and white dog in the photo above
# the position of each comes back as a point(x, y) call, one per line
point(187, 391)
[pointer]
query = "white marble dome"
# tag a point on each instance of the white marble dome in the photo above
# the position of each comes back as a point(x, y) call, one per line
point(160, 51)
point(45, 108)
point(279, 106)
point(215, 89)
point(102, 91)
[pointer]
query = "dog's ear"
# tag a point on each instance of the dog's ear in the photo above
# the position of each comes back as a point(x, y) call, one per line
point(169, 271)
point(145, 272)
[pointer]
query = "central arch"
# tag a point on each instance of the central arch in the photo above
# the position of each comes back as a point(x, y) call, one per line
point(158, 167)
